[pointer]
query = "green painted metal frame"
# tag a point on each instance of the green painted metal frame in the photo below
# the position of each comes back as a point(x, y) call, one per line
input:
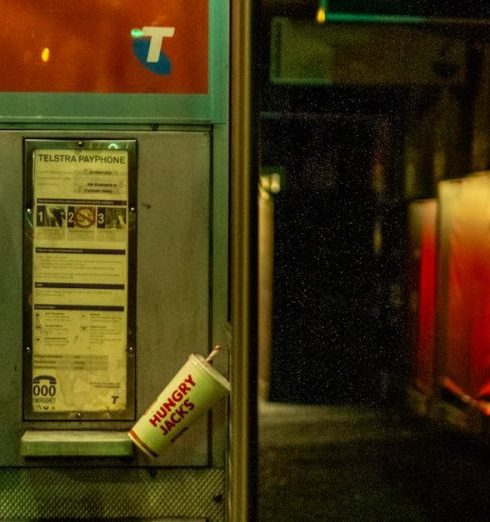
point(22, 108)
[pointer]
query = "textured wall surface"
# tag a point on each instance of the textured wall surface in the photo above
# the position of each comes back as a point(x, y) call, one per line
point(102, 494)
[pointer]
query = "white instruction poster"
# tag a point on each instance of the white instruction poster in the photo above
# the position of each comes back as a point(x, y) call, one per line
point(79, 280)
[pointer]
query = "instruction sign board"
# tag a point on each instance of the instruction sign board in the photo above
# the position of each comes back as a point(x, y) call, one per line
point(78, 288)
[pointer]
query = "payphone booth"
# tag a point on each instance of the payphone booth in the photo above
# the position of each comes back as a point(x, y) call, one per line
point(113, 205)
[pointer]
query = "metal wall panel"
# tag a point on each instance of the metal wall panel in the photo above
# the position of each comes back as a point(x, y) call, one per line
point(178, 212)
point(11, 229)
point(173, 270)
point(174, 294)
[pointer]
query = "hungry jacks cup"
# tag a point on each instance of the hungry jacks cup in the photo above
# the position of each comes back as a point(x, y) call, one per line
point(195, 388)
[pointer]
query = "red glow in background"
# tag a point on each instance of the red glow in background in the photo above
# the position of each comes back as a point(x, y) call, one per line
point(427, 289)
point(423, 241)
point(466, 357)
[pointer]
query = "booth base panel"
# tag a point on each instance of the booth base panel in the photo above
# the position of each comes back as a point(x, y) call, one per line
point(104, 494)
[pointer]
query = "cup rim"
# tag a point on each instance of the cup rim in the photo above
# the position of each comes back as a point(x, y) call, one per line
point(200, 361)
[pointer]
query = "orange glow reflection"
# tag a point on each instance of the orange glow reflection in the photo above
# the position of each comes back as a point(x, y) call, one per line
point(45, 55)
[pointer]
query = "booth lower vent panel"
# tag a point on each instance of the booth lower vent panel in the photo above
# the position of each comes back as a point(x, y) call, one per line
point(117, 493)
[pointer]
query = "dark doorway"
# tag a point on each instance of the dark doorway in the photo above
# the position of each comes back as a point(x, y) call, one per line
point(326, 309)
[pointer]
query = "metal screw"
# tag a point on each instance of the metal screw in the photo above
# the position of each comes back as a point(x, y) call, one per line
point(78, 415)
point(131, 349)
point(132, 209)
point(80, 143)
point(28, 349)
point(29, 210)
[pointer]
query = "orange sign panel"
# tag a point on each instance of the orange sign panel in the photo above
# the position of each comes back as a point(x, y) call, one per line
point(104, 46)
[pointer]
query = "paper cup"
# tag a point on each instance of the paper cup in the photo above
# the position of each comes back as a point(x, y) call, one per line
point(188, 396)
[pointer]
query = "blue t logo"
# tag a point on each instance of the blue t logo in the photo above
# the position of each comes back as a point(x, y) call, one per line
point(147, 47)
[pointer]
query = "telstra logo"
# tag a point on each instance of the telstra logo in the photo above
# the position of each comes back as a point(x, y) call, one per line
point(147, 47)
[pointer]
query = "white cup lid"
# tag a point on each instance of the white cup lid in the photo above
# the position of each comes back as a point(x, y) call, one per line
point(200, 361)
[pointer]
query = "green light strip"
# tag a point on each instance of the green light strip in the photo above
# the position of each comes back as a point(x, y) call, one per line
point(403, 19)
point(376, 19)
